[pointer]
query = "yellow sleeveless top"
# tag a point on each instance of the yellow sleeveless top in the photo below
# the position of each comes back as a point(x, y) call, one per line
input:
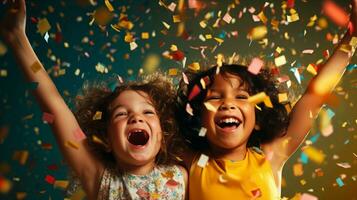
point(251, 178)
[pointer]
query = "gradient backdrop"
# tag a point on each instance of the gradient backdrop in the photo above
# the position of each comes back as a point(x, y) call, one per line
point(77, 50)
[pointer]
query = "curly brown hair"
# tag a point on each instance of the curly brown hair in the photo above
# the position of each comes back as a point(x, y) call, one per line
point(272, 122)
point(98, 96)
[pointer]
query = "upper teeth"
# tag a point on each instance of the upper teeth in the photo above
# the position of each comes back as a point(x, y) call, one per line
point(228, 120)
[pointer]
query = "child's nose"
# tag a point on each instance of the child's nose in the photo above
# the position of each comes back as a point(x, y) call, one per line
point(226, 105)
point(135, 118)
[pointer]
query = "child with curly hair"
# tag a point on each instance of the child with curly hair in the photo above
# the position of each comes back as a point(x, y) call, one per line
point(130, 127)
point(240, 135)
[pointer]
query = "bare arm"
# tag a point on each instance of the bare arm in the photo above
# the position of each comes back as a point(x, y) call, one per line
point(303, 114)
point(85, 165)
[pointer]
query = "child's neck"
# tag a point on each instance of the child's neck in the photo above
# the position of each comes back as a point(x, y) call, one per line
point(236, 154)
point(137, 170)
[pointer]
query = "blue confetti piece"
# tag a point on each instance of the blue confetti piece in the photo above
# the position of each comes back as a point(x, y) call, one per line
point(222, 35)
point(351, 67)
point(330, 113)
point(314, 138)
point(304, 159)
point(339, 182)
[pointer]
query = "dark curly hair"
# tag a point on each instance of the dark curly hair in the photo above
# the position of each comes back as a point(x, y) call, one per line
point(272, 122)
point(98, 96)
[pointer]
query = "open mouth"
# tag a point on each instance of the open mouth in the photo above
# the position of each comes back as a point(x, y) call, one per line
point(138, 137)
point(229, 122)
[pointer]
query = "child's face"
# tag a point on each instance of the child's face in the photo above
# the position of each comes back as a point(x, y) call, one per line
point(134, 130)
point(232, 123)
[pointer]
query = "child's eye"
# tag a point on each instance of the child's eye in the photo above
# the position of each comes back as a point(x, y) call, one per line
point(120, 114)
point(149, 112)
point(242, 97)
point(213, 98)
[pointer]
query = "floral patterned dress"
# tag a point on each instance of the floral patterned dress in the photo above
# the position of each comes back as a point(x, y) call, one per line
point(163, 182)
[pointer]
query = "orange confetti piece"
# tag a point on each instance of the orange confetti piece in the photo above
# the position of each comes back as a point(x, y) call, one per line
point(36, 66)
point(61, 184)
point(194, 92)
point(5, 185)
point(335, 13)
point(71, 144)
point(298, 169)
point(21, 156)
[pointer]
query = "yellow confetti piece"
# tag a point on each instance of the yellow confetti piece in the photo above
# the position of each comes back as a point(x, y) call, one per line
point(203, 24)
point(109, 5)
point(258, 32)
point(36, 66)
point(167, 26)
point(257, 98)
point(43, 26)
point(210, 107)
point(99, 141)
point(302, 182)
point(144, 35)
point(219, 40)
point(60, 184)
point(267, 102)
point(298, 169)
point(202, 132)
point(314, 154)
point(71, 144)
point(279, 61)
point(133, 46)
point(176, 18)
point(97, 115)
point(262, 17)
point(115, 27)
point(283, 97)
point(220, 61)
point(173, 72)
point(3, 73)
point(194, 66)
point(311, 69)
point(203, 83)
point(208, 36)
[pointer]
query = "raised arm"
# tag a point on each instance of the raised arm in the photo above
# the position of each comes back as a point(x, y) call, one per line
point(64, 126)
point(306, 109)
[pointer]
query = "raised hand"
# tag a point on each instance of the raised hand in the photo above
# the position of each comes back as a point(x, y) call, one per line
point(14, 20)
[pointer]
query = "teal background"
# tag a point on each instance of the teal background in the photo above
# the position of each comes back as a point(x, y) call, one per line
point(147, 16)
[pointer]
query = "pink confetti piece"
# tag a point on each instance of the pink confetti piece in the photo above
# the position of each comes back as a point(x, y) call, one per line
point(48, 118)
point(79, 135)
point(189, 109)
point(255, 66)
point(306, 196)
